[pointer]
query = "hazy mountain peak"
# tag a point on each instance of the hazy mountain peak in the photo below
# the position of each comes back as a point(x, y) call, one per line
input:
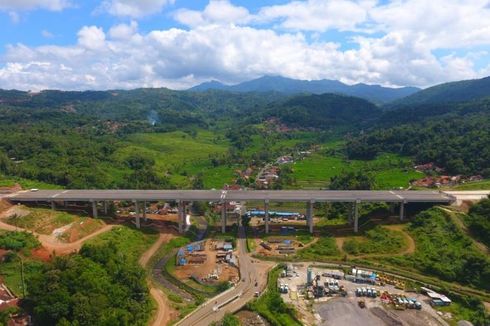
point(375, 93)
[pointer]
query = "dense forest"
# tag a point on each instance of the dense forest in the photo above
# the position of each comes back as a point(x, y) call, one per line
point(456, 137)
point(98, 286)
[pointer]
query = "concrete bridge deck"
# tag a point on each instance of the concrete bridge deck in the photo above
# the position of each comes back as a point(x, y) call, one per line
point(235, 195)
point(223, 196)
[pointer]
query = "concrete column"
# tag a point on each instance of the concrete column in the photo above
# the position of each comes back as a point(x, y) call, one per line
point(184, 215)
point(350, 216)
point(266, 216)
point(144, 210)
point(94, 209)
point(137, 216)
point(309, 210)
point(392, 208)
point(105, 208)
point(223, 217)
point(53, 205)
point(402, 211)
point(356, 216)
point(180, 217)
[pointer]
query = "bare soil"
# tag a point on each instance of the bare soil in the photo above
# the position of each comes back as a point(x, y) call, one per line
point(210, 266)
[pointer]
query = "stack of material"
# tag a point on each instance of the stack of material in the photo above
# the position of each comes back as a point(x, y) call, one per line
point(265, 245)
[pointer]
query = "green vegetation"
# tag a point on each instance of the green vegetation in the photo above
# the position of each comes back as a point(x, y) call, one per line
point(389, 171)
point(476, 185)
point(102, 285)
point(467, 308)
point(450, 135)
point(443, 250)
point(181, 154)
point(376, 241)
point(17, 241)
point(133, 243)
point(322, 249)
point(478, 221)
point(45, 221)
point(18, 263)
point(25, 183)
point(271, 306)
point(228, 320)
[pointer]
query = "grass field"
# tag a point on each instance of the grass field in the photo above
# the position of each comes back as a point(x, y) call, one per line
point(10, 272)
point(376, 241)
point(9, 181)
point(478, 185)
point(182, 155)
point(129, 241)
point(390, 170)
point(45, 221)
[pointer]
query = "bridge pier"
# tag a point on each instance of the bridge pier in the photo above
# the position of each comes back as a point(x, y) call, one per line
point(181, 216)
point(350, 216)
point(356, 216)
point(144, 211)
point(137, 216)
point(94, 209)
point(309, 215)
point(266, 215)
point(105, 207)
point(53, 205)
point(402, 210)
point(223, 217)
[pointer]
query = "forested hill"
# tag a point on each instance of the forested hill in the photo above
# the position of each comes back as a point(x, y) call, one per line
point(454, 136)
point(327, 111)
point(460, 91)
point(80, 139)
point(374, 93)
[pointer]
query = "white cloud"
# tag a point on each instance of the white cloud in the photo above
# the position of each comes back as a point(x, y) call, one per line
point(91, 37)
point(133, 8)
point(17, 5)
point(216, 12)
point(287, 40)
point(123, 31)
point(318, 15)
point(439, 23)
point(178, 58)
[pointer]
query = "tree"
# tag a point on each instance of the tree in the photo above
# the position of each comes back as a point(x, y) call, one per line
point(358, 180)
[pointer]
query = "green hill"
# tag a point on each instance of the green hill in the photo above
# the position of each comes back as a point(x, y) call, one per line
point(460, 91)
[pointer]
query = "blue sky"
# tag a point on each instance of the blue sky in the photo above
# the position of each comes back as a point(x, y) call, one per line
point(108, 44)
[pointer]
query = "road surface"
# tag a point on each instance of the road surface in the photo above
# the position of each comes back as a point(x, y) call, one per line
point(234, 195)
point(251, 271)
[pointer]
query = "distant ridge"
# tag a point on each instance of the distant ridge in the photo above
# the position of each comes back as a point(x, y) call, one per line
point(459, 91)
point(374, 93)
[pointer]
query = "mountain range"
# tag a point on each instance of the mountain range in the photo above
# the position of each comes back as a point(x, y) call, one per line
point(374, 93)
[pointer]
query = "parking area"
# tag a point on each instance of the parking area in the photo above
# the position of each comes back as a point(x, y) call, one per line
point(328, 297)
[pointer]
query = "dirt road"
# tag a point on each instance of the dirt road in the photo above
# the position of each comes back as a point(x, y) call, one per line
point(164, 310)
point(54, 246)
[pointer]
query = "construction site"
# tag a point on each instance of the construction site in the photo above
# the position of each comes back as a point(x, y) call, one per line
point(358, 297)
point(207, 262)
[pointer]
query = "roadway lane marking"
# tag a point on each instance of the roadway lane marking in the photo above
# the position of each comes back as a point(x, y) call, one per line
point(400, 197)
point(56, 195)
point(223, 194)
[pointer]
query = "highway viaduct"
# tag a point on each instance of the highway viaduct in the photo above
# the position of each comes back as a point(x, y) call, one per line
point(183, 197)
